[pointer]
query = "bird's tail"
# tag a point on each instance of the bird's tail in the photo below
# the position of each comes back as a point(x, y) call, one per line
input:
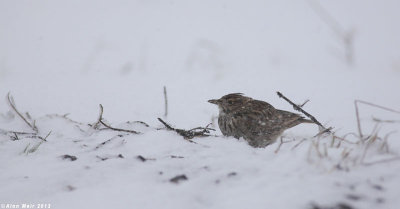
point(293, 119)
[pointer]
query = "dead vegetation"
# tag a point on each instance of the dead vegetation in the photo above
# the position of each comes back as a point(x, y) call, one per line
point(352, 151)
point(189, 134)
point(100, 122)
point(341, 151)
point(100, 125)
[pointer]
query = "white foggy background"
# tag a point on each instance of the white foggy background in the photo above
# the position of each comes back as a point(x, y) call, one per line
point(67, 57)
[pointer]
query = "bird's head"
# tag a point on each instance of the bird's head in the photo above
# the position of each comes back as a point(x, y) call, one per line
point(230, 102)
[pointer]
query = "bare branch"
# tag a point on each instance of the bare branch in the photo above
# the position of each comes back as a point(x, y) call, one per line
point(119, 129)
point(297, 108)
point(189, 134)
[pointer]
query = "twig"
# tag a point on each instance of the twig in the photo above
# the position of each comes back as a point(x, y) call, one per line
point(65, 117)
point(360, 135)
point(188, 134)
point(107, 141)
point(323, 131)
point(165, 102)
point(178, 131)
point(203, 128)
point(385, 143)
point(110, 157)
point(384, 121)
point(35, 148)
point(297, 108)
point(17, 132)
point(119, 129)
point(280, 144)
point(294, 147)
point(372, 139)
point(144, 159)
point(316, 146)
point(12, 104)
point(304, 103)
point(344, 138)
point(15, 136)
point(381, 161)
point(95, 126)
point(100, 121)
point(45, 138)
point(141, 122)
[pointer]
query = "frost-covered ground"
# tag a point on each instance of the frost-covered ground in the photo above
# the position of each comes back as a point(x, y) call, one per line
point(69, 57)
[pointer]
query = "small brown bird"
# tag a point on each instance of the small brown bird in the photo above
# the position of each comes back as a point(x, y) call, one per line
point(256, 121)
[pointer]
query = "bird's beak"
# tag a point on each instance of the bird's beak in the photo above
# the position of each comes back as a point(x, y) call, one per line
point(213, 101)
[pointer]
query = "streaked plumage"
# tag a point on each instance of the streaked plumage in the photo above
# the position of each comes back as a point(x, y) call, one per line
point(256, 121)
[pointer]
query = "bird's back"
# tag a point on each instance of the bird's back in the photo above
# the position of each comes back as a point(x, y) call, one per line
point(258, 122)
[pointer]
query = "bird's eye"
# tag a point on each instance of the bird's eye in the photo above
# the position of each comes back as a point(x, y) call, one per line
point(230, 102)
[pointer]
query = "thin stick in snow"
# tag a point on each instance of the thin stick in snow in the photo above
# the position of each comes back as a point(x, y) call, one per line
point(100, 121)
point(297, 108)
point(189, 134)
point(165, 102)
point(12, 104)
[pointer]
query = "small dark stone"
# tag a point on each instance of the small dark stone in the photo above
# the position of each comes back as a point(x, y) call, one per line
point(69, 157)
point(336, 206)
point(102, 158)
point(70, 188)
point(206, 168)
point(353, 197)
point(120, 156)
point(378, 187)
point(343, 206)
point(178, 178)
point(315, 206)
point(174, 156)
point(232, 174)
point(141, 158)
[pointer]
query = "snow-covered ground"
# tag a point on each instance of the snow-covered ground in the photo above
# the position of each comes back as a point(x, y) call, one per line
point(69, 57)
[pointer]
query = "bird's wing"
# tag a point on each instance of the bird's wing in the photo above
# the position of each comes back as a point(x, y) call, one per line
point(255, 118)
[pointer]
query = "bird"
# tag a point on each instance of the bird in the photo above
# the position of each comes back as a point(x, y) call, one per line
point(258, 122)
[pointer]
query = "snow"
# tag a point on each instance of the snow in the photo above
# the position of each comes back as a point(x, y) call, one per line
point(69, 57)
